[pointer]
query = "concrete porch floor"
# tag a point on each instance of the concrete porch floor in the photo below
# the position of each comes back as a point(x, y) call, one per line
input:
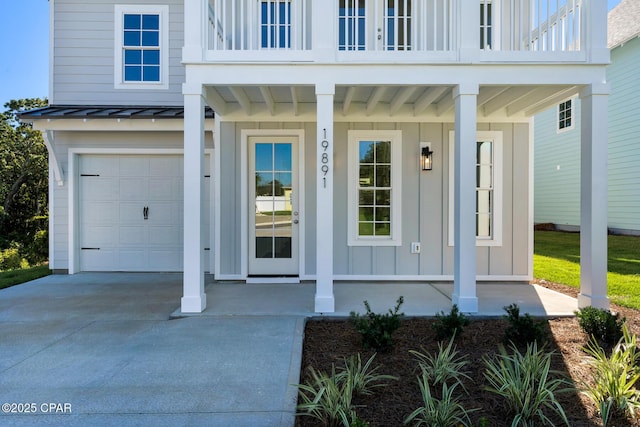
point(420, 299)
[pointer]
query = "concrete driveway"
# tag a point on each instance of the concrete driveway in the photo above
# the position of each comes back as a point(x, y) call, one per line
point(100, 349)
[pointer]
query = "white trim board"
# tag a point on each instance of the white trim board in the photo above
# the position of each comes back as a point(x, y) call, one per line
point(115, 125)
point(416, 278)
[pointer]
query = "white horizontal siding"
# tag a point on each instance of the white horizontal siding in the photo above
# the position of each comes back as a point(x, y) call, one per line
point(556, 170)
point(624, 137)
point(83, 65)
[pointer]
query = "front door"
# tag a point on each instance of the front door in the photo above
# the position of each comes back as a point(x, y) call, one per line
point(273, 206)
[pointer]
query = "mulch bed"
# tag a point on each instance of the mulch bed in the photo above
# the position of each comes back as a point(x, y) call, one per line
point(329, 341)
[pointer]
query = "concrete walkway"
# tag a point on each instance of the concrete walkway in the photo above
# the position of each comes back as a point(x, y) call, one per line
point(102, 349)
point(114, 349)
point(420, 299)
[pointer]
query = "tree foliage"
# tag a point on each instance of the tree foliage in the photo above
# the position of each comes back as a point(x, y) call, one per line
point(23, 176)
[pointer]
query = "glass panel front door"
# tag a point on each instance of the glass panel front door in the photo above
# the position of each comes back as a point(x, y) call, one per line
point(274, 214)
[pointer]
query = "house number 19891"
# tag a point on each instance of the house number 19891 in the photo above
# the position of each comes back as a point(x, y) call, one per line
point(324, 159)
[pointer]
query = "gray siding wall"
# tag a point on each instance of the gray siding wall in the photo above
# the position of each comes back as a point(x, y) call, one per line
point(557, 156)
point(83, 52)
point(64, 141)
point(425, 216)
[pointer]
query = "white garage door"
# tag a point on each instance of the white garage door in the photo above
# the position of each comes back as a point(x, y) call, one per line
point(130, 213)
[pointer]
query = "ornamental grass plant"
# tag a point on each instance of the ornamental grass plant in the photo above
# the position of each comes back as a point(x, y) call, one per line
point(447, 366)
point(614, 377)
point(328, 397)
point(527, 385)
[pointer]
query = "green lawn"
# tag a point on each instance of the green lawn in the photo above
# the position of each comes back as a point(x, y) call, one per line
point(557, 259)
point(15, 277)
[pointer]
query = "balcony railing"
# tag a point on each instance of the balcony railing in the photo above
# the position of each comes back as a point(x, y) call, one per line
point(415, 27)
point(531, 25)
point(256, 25)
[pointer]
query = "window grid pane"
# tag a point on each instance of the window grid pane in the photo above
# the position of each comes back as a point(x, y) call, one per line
point(484, 189)
point(564, 115)
point(141, 51)
point(374, 189)
point(351, 25)
point(398, 25)
point(486, 26)
point(275, 25)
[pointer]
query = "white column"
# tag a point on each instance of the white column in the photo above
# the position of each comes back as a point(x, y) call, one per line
point(593, 197)
point(194, 31)
point(594, 31)
point(324, 300)
point(464, 215)
point(194, 299)
point(468, 31)
point(323, 29)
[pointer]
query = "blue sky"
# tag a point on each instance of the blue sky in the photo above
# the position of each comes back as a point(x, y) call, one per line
point(24, 52)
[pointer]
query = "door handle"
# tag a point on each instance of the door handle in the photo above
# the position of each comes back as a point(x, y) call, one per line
point(145, 212)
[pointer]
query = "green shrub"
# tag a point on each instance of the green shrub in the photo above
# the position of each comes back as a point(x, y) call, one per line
point(376, 329)
point(38, 250)
point(446, 367)
point(450, 325)
point(523, 330)
point(527, 384)
point(613, 383)
point(359, 422)
point(602, 325)
point(10, 259)
point(444, 412)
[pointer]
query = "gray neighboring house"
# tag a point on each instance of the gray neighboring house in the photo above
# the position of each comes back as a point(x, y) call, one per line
point(557, 139)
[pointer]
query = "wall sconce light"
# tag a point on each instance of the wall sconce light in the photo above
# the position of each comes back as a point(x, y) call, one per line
point(426, 157)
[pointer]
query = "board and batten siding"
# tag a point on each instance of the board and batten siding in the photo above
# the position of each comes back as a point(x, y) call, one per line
point(557, 155)
point(424, 204)
point(83, 55)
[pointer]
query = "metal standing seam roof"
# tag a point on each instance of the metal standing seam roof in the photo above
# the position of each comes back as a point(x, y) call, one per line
point(623, 22)
point(107, 112)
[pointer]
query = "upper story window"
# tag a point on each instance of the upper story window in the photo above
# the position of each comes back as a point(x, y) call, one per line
point(275, 24)
point(141, 47)
point(375, 25)
point(352, 25)
point(486, 25)
point(488, 188)
point(565, 115)
point(374, 189)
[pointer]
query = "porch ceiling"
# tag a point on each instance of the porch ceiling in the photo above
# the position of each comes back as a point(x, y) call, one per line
point(392, 102)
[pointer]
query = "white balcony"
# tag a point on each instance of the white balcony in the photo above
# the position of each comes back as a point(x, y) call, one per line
point(406, 30)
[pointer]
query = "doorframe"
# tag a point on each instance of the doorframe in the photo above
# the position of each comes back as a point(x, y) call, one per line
point(245, 134)
point(74, 197)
